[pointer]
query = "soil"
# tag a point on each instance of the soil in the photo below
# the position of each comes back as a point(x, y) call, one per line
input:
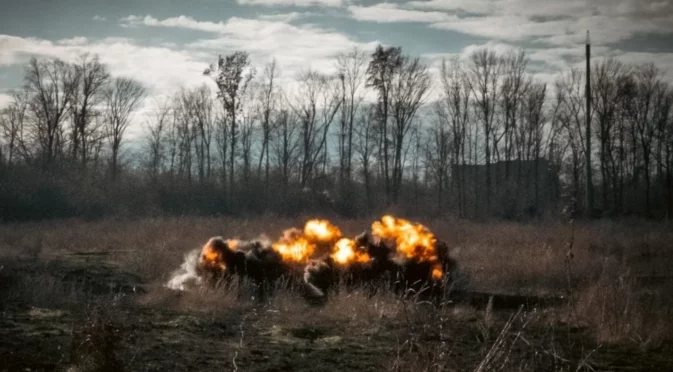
point(144, 327)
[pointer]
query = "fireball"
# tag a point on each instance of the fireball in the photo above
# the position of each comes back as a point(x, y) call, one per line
point(321, 231)
point(293, 246)
point(298, 246)
point(345, 252)
point(233, 243)
point(211, 257)
point(412, 240)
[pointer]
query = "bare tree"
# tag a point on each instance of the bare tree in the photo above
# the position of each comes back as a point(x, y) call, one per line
point(286, 144)
point(51, 85)
point(381, 71)
point(89, 93)
point(316, 106)
point(531, 134)
point(485, 70)
point(571, 113)
point(185, 136)
point(222, 141)
point(365, 146)
point(249, 116)
point(268, 103)
point(491, 114)
point(606, 91)
point(122, 98)
point(351, 70)
point(156, 138)
point(645, 112)
point(172, 135)
point(668, 139)
point(438, 152)
point(512, 90)
point(12, 122)
point(197, 110)
point(454, 109)
point(233, 75)
point(410, 89)
point(664, 123)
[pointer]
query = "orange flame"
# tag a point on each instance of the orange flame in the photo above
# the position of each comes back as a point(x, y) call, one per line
point(298, 246)
point(293, 246)
point(437, 273)
point(211, 257)
point(345, 252)
point(412, 240)
point(233, 243)
point(321, 231)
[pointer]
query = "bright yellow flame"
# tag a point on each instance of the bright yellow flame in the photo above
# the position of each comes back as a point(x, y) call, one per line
point(293, 246)
point(321, 231)
point(298, 246)
point(345, 252)
point(412, 240)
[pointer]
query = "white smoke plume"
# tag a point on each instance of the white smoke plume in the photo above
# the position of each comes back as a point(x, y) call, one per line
point(186, 274)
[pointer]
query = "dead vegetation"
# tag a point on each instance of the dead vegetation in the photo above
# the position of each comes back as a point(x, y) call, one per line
point(90, 296)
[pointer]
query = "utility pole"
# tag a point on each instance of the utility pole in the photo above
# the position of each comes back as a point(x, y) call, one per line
point(589, 205)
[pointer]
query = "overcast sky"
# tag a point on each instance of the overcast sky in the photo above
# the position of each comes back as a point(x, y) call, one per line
point(167, 43)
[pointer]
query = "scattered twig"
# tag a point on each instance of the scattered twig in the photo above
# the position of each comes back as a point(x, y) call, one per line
point(495, 350)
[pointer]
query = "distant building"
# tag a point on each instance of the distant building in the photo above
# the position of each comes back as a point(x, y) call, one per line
point(519, 188)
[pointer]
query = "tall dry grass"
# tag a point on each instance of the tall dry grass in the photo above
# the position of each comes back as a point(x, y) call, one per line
point(616, 281)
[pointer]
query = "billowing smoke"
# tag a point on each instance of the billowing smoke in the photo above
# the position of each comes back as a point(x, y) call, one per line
point(187, 274)
point(319, 257)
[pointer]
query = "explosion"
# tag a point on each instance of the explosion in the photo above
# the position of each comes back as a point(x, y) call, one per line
point(212, 258)
point(392, 246)
point(293, 246)
point(412, 240)
point(321, 231)
point(233, 244)
point(297, 246)
point(345, 252)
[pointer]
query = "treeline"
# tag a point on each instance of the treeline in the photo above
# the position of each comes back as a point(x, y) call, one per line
point(362, 139)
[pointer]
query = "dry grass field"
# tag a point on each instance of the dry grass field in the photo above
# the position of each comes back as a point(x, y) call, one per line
point(90, 296)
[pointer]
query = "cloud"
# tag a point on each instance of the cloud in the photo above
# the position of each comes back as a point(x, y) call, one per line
point(166, 67)
point(633, 9)
point(12, 48)
point(5, 99)
point(159, 68)
point(99, 18)
point(500, 27)
point(544, 21)
point(510, 7)
point(511, 28)
point(548, 63)
point(386, 12)
point(285, 17)
point(162, 70)
point(78, 40)
point(604, 30)
point(664, 61)
point(176, 22)
point(331, 3)
point(295, 47)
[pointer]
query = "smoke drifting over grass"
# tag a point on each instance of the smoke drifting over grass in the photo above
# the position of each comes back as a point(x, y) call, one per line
point(186, 275)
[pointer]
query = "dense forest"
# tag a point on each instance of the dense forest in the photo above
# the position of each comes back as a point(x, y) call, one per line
point(364, 138)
